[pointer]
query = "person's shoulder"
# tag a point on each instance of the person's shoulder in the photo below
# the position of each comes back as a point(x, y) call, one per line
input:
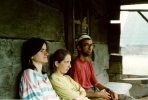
point(52, 76)
point(55, 77)
point(75, 60)
point(68, 77)
point(28, 71)
point(30, 76)
point(89, 61)
point(75, 65)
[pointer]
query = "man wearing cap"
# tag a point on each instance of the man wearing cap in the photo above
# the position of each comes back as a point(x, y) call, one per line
point(82, 72)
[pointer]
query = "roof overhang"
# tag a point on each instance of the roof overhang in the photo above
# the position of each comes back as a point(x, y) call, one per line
point(129, 2)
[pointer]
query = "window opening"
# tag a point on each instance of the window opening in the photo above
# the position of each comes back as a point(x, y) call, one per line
point(134, 39)
point(81, 18)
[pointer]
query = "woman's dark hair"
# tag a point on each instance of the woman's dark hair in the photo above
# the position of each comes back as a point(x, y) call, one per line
point(29, 49)
point(59, 56)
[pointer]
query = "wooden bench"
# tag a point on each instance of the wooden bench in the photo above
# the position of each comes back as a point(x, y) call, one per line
point(119, 88)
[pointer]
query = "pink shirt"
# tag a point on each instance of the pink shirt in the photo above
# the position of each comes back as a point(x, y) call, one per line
point(34, 86)
point(83, 73)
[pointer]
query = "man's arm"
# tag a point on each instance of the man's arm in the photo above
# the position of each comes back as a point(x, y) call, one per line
point(93, 94)
point(100, 86)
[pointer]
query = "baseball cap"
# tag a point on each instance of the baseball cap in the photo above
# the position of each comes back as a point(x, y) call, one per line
point(81, 37)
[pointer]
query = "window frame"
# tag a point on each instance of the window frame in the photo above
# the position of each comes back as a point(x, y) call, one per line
point(70, 24)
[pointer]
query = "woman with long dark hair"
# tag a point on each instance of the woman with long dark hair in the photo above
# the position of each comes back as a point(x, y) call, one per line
point(34, 84)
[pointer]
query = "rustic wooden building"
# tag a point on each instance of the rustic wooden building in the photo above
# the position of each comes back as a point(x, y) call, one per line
point(59, 22)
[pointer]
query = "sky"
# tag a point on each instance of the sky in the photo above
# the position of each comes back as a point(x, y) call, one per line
point(134, 29)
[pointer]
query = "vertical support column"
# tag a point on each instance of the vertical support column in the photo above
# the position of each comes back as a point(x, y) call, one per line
point(115, 68)
point(68, 20)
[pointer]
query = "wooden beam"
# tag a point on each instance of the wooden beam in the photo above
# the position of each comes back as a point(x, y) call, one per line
point(144, 10)
point(143, 16)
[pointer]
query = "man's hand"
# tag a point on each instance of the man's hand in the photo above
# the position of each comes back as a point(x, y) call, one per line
point(104, 94)
point(114, 95)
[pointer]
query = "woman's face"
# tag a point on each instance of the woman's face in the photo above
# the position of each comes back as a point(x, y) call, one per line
point(63, 66)
point(41, 56)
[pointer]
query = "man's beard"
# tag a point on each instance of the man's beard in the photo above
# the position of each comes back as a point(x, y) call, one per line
point(85, 54)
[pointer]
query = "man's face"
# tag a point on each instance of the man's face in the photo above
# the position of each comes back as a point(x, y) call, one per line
point(86, 47)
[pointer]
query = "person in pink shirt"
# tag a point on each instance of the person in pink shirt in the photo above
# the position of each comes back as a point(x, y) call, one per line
point(34, 83)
